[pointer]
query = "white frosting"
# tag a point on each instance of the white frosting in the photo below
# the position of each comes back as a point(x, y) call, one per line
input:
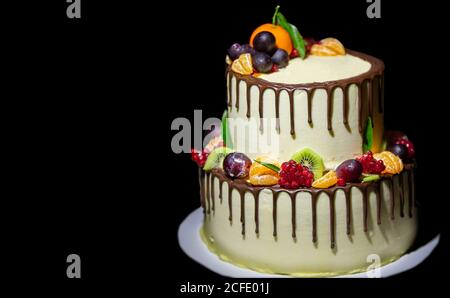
point(319, 69)
point(301, 257)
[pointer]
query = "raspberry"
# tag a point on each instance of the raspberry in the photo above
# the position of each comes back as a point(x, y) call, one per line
point(293, 175)
point(409, 145)
point(199, 157)
point(370, 164)
point(341, 182)
point(309, 43)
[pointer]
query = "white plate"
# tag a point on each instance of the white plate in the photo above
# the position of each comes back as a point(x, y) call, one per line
point(191, 243)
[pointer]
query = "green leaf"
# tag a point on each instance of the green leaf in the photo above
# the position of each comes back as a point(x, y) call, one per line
point(368, 136)
point(371, 178)
point(226, 136)
point(269, 165)
point(297, 39)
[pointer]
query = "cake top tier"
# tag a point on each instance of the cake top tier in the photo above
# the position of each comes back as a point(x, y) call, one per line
point(319, 69)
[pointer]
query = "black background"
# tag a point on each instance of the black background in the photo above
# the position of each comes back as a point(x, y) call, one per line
point(95, 99)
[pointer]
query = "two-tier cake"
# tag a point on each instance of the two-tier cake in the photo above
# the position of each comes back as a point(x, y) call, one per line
point(303, 180)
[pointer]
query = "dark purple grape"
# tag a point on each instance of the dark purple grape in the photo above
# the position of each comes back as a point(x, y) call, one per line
point(350, 170)
point(246, 48)
point(237, 165)
point(280, 58)
point(401, 151)
point(262, 62)
point(264, 42)
point(235, 51)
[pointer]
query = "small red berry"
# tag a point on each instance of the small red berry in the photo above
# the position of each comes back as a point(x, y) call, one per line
point(293, 175)
point(199, 157)
point(274, 68)
point(341, 182)
point(294, 53)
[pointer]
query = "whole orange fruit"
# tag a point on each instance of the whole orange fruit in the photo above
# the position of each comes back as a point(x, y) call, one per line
point(282, 37)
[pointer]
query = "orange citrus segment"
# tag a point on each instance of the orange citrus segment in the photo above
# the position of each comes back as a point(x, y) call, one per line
point(263, 180)
point(321, 50)
point(282, 37)
point(333, 44)
point(392, 162)
point(262, 175)
point(327, 180)
point(328, 47)
point(243, 64)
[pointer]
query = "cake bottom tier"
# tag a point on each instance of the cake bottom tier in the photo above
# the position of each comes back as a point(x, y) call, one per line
point(308, 232)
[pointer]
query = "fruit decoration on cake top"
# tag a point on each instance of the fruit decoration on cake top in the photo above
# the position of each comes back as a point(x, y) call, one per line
point(306, 169)
point(272, 45)
point(270, 48)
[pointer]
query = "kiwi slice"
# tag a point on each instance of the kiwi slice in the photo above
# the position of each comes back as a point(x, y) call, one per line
point(371, 178)
point(216, 157)
point(310, 159)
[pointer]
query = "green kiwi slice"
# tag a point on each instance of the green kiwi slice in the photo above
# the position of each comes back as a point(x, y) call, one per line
point(216, 157)
point(310, 159)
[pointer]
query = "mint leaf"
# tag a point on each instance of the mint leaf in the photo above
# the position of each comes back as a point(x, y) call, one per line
point(368, 136)
point(226, 136)
point(269, 165)
point(297, 39)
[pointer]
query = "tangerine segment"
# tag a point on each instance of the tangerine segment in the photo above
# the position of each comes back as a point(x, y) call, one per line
point(333, 44)
point(392, 162)
point(243, 65)
point(328, 47)
point(327, 180)
point(321, 50)
point(282, 37)
point(263, 180)
point(262, 175)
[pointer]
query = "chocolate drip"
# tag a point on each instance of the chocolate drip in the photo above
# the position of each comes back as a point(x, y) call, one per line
point(378, 197)
point(242, 195)
point(274, 213)
point(242, 187)
point(366, 84)
point(291, 105)
point(230, 203)
point(237, 94)
point(293, 215)
point(348, 208)
point(314, 215)
point(332, 221)
point(365, 207)
point(256, 196)
point(220, 191)
point(247, 93)
point(309, 98)
point(330, 107)
point(261, 109)
point(277, 109)
point(345, 104)
point(401, 195)
point(390, 182)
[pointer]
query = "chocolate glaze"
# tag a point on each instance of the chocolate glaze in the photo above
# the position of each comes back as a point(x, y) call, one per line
point(242, 187)
point(370, 88)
